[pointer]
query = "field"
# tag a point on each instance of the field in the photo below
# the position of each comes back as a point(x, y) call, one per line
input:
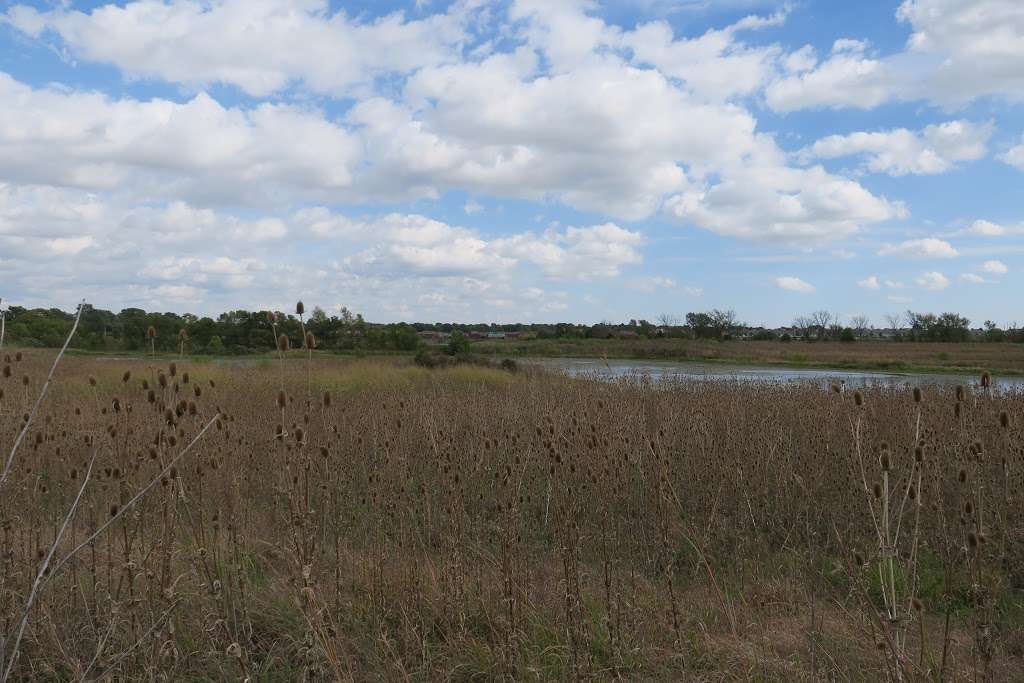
point(969, 357)
point(327, 519)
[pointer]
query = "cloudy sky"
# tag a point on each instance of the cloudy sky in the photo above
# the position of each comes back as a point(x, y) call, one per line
point(534, 160)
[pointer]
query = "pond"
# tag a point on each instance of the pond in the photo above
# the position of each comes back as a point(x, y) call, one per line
point(615, 368)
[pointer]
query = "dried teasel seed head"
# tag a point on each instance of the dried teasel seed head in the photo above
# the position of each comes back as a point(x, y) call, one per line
point(310, 340)
point(282, 400)
point(183, 334)
point(883, 460)
point(1004, 419)
point(961, 476)
point(961, 392)
point(972, 540)
point(300, 308)
point(919, 454)
point(916, 604)
point(878, 490)
point(858, 398)
point(327, 399)
point(282, 343)
point(127, 376)
point(834, 388)
point(986, 380)
point(151, 332)
point(917, 395)
point(92, 381)
point(271, 317)
point(173, 369)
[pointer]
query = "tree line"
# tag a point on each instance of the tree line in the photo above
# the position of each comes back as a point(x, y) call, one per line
point(241, 331)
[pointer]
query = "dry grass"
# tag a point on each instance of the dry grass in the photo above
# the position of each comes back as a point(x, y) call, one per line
point(469, 523)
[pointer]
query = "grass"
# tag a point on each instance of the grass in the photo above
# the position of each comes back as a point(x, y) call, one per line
point(470, 523)
point(908, 357)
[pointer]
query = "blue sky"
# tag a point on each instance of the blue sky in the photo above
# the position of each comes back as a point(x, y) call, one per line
point(524, 160)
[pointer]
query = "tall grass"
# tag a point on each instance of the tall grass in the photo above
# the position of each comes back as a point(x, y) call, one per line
point(379, 520)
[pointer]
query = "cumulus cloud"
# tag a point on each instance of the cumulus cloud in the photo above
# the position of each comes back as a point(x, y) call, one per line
point(282, 42)
point(934, 149)
point(958, 50)
point(197, 150)
point(929, 247)
point(776, 203)
point(870, 282)
point(1015, 156)
point(933, 280)
point(794, 284)
point(994, 267)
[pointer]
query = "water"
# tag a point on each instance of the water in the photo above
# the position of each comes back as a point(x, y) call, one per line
point(656, 370)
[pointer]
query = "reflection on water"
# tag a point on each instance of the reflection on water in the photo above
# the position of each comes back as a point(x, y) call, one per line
point(707, 371)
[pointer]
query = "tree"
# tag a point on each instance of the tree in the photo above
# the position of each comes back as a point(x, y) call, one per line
point(860, 323)
point(894, 321)
point(702, 325)
point(457, 343)
point(669, 320)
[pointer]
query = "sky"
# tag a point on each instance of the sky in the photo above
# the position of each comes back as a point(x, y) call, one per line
point(515, 160)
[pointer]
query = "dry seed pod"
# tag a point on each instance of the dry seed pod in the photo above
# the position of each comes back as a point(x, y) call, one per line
point(917, 395)
point(151, 332)
point(310, 340)
point(986, 380)
point(282, 343)
point(961, 393)
point(300, 308)
point(858, 398)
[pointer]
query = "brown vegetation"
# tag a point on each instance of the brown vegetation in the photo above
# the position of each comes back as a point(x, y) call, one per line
point(368, 520)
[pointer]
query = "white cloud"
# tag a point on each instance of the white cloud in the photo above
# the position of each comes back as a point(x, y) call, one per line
point(794, 284)
point(471, 207)
point(70, 245)
point(958, 50)
point(972, 278)
point(775, 203)
point(870, 282)
point(258, 45)
point(987, 228)
point(651, 283)
point(1015, 156)
point(197, 150)
point(934, 149)
point(929, 247)
point(933, 280)
point(994, 267)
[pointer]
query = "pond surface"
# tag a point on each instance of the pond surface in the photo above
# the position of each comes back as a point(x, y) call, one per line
point(615, 368)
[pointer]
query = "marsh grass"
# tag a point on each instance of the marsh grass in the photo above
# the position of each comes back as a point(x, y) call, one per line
point(473, 523)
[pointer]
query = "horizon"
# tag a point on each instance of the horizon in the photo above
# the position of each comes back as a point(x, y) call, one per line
point(515, 160)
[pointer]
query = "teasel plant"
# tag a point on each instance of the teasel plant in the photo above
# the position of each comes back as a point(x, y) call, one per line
point(897, 571)
point(3, 322)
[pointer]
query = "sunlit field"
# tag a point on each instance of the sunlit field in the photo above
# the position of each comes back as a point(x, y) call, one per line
point(320, 519)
